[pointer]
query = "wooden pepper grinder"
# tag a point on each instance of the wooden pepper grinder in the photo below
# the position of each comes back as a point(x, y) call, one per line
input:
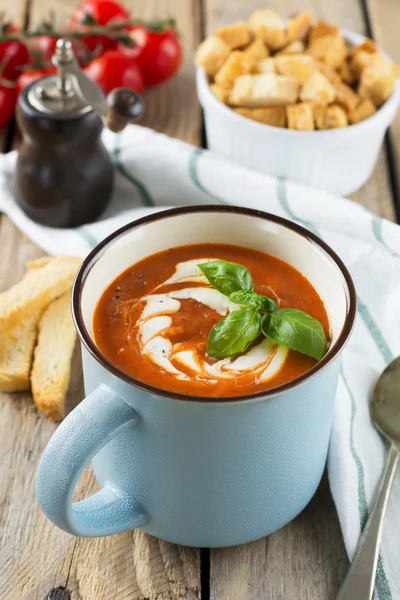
point(64, 174)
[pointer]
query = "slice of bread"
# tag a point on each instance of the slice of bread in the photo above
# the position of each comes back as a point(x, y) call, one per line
point(16, 351)
point(52, 362)
point(38, 263)
point(36, 290)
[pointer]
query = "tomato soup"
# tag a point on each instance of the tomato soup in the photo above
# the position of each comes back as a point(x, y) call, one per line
point(154, 320)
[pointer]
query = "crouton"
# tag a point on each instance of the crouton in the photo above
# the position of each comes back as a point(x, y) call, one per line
point(211, 55)
point(346, 73)
point(363, 110)
point(238, 63)
point(321, 29)
point(318, 89)
point(299, 26)
point(360, 56)
point(332, 76)
point(257, 49)
point(299, 66)
point(296, 47)
point(219, 92)
point(264, 90)
point(378, 79)
point(274, 115)
point(269, 25)
point(235, 35)
point(267, 65)
point(330, 117)
point(345, 96)
point(300, 116)
point(330, 50)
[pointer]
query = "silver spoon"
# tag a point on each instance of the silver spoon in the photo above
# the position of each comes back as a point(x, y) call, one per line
point(385, 413)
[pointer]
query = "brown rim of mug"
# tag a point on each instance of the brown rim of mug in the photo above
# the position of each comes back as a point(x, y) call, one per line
point(99, 250)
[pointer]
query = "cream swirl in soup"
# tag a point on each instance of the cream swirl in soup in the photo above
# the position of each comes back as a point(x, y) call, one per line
point(154, 320)
point(264, 359)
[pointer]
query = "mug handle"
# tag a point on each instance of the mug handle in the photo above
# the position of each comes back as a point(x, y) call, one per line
point(100, 417)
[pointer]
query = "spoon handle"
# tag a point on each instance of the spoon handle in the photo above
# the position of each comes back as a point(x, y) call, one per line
point(360, 580)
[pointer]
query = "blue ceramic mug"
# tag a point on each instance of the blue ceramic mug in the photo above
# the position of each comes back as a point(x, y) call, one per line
point(195, 471)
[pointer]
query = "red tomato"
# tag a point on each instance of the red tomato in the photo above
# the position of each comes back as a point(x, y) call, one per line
point(13, 55)
point(115, 69)
point(45, 46)
point(98, 12)
point(8, 99)
point(158, 55)
point(101, 11)
point(28, 76)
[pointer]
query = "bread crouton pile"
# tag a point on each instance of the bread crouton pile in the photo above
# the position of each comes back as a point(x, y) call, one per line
point(294, 74)
point(37, 335)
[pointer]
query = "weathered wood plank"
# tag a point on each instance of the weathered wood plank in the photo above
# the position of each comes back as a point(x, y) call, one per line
point(385, 16)
point(307, 559)
point(376, 193)
point(36, 556)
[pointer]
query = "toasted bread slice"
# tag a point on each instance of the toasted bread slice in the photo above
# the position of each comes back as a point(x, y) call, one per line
point(258, 91)
point(16, 352)
point(274, 115)
point(38, 263)
point(52, 362)
point(36, 290)
point(299, 66)
point(211, 54)
point(235, 35)
point(300, 116)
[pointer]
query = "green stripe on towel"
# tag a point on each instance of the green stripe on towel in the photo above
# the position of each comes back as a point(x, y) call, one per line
point(144, 193)
point(382, 584)
point(194, 176)
point(87, 236)
point(376, 225)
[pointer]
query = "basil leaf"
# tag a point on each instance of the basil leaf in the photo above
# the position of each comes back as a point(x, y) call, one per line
point(234, 333)
point(268, 304)
point(245, 298)
point(296, 330)
point(263, 303)
point(227, 277)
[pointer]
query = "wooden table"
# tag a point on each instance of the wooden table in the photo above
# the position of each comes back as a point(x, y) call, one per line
point(304, 561)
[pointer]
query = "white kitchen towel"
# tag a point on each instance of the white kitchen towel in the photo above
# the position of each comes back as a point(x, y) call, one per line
point(154, 171)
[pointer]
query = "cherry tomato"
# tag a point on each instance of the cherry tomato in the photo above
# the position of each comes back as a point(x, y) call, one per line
point(13, 54)
point(28, 76)
point(158, 54)
point(115, 69)
point(101, 11)
point(45, 46)
point(8, 99)
point(98, 12)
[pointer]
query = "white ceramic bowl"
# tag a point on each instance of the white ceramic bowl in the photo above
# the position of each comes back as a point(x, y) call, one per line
point(336, 160)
